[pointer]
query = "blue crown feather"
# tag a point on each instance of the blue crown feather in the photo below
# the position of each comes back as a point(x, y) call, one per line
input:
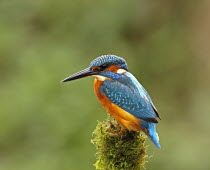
point(109, 60)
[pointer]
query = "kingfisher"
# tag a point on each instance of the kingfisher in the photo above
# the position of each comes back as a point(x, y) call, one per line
point(121, 95)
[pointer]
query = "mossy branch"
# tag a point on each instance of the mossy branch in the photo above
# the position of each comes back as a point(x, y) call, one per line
point(125, 152)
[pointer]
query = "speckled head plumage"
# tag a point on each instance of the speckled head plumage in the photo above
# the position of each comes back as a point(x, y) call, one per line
point(108, 60)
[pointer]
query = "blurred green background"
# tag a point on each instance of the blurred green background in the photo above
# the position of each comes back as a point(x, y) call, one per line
point(45, 125)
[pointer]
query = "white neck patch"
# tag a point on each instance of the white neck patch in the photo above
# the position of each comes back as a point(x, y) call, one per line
point(121, 71)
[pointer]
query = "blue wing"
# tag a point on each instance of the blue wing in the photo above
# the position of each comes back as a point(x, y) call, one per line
point(130, 95)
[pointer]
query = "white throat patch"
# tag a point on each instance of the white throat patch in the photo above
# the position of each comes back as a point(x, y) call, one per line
point(101, 78)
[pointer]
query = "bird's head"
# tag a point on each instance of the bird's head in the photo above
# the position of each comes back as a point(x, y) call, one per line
point(103, 67)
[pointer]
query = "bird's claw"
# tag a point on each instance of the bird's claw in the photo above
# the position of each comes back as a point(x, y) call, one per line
point(117, 134)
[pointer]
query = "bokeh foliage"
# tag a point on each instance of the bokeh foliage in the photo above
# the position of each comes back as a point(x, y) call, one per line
point(47, 125)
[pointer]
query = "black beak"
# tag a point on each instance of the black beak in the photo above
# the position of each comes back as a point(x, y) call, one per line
point(84, 73)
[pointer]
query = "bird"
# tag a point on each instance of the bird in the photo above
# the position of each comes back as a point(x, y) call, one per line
point(121, 95)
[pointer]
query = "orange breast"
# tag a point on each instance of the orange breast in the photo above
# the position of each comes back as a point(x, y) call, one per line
point(125, 119)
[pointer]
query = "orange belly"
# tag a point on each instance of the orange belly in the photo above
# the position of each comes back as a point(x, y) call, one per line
point(125, 119)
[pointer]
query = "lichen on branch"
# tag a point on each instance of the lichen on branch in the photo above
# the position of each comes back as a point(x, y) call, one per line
point(125, 152)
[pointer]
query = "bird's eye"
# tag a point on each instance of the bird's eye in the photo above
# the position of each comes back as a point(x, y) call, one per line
point(100, 68)
point(103, 66)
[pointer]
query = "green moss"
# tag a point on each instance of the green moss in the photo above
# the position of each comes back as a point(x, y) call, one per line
point(125, 152)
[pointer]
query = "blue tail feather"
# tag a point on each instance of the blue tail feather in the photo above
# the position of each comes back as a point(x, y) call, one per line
point(151, 132)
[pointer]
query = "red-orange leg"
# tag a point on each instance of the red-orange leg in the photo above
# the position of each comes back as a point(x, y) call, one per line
point(118, 134)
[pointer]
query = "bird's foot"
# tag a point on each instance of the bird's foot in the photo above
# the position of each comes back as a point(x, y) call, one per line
point(118, 134)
